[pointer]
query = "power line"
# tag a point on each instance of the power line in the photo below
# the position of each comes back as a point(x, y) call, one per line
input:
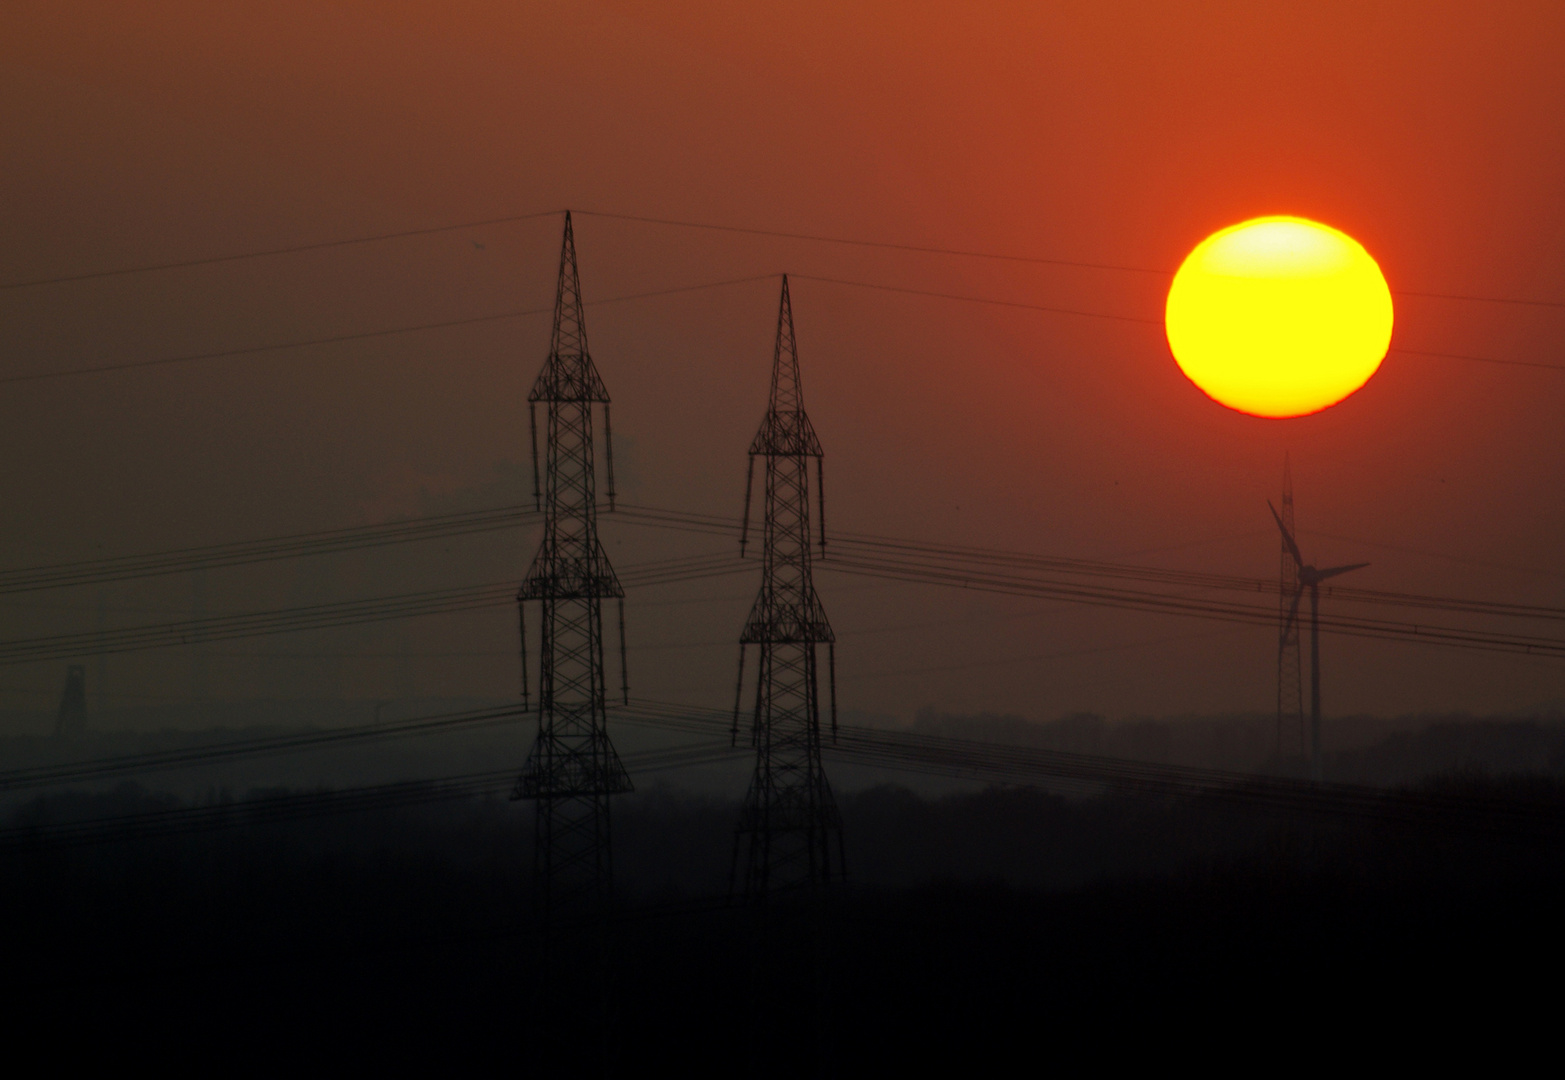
point(926, 249)
point(1035, 658)
point(364, 335)
point(1092, 773)
point(931, 558)
point(1555, 304)
point(1487, 564)
point(992, 302)
point(781, 234)
point(897, 750)
point(953, 571)
point(980, 300)
point(1004, 257)
point(326, 616)
point(294, 249)
point(1163, 603)
point(207, 753)
point(474, 320)
point(158, 760)
point(253, 350)
point(245, 552)
point(271, 809)
point(259, 746)
point(1479, 359)
point(256, 624)
point(1196, 579)
point(322, 542)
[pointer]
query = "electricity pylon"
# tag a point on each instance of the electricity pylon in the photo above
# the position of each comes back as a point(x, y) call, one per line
point(1309, 578)
point(573, 769)
point(1290, 679)
point(789, 830)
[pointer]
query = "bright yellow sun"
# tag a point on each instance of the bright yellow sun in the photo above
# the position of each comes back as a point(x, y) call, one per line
point(1279, 316)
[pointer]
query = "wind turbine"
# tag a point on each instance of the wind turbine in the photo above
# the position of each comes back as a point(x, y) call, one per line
point(1310, 578)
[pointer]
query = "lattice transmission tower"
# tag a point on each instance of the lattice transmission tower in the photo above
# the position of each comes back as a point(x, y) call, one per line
point(789, 834)
point(572, 770)
point(1290, 678)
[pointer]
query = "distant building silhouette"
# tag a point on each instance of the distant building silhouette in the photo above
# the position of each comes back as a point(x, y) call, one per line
point(72, 719)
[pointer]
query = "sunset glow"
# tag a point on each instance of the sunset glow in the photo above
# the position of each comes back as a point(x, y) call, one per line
point(1279, 316)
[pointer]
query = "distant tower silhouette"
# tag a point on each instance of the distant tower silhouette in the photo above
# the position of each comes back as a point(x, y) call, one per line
point(1290, 678)
point(789, 829)
point(572, 769)
point(72, 719)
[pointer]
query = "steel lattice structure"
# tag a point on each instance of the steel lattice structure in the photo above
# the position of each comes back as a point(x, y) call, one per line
point(1290, 678)
point(572, 769)
point(789, 830)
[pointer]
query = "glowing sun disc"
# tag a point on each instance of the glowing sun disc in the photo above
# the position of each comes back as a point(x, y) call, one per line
point(1279, 316)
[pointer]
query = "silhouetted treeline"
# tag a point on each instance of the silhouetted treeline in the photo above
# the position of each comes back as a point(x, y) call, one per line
point(1359, 749)
point(1368, 750)
point(977, 926)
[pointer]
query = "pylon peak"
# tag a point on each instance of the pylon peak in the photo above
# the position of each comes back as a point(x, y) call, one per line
point(786, 428)
point(569, 373)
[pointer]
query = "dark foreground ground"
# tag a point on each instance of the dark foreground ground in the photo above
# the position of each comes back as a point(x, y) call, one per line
point(1004, 926)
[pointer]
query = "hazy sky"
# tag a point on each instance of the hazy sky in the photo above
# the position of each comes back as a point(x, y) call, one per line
point(1117, 133)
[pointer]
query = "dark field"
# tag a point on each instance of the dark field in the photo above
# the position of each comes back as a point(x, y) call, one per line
point(977, 927)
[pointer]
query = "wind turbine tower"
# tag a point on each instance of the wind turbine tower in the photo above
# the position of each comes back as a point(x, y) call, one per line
point(789, 831)
point(1290, 678)
point(1309, 577)
point(71, 721)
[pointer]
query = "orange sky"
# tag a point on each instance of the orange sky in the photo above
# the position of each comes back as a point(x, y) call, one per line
point(1107, 132)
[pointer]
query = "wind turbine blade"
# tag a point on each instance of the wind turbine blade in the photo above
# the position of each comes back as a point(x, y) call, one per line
point(1322, 575)
point(1293, 549)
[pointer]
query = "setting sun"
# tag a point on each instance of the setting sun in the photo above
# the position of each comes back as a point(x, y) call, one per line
point(1279, 316)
